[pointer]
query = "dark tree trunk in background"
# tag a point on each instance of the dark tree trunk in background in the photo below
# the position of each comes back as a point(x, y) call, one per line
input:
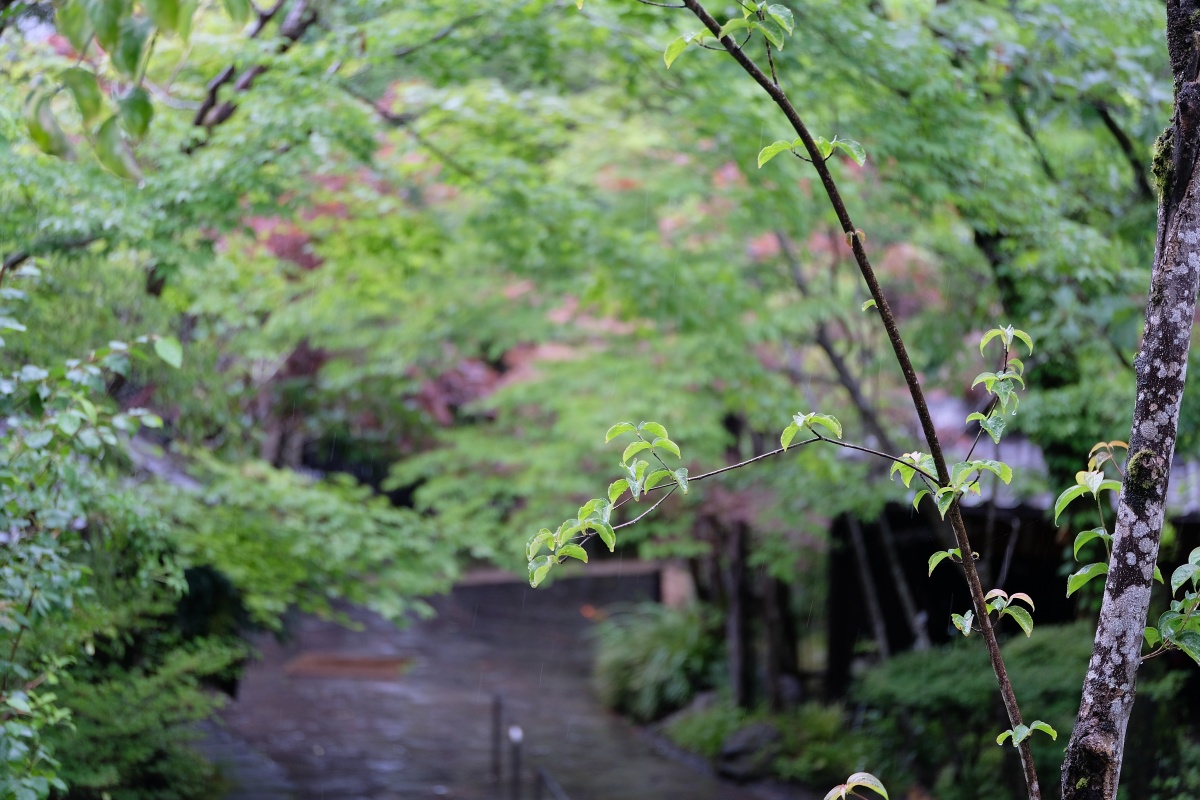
point(784, 688)
point(738, 639)
point(1092, 767)
point(866, 581)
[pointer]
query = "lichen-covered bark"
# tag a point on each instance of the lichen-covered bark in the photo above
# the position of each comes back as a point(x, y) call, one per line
point(1092, 767)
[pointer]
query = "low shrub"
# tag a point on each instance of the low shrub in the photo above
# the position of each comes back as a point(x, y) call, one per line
point(935, 715)
point(818, 748)
point(651, 660)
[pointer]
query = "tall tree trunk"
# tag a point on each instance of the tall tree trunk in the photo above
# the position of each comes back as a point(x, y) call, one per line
point(915, 618)
point(783, 688)
point(869, 592)
point(738, 641)
point(1093, 762)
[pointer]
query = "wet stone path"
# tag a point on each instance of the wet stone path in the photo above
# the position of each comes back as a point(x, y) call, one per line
point(387, 714)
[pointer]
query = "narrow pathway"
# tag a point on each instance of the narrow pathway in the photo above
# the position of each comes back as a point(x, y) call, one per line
point(383, 714)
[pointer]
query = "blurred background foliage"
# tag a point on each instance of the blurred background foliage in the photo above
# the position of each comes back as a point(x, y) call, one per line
point(426, 255)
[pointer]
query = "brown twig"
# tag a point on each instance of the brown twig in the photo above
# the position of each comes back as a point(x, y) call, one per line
point(779, 96)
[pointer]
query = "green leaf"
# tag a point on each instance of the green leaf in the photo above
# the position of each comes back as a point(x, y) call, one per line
point(607, 535)
point(740, 23)
point(39, 439)
point(906, 472)
point(772, 150)
point(1183, 574)
point(824, 146)
point(572, 551)
point(1158, 574)
point(618, 429)
point(825, 421)
point(1083, 537)
point(131, 44)
point(681, 477)
point(772, 31)
point(852, 149)
point(114, 153)
point(1022, 617)
point(1065, 498)
point(1078, 579)
point(1189, 642)
point(854, 781)
point(653, 429)
point(187, 12)
point(941, 556)
point(789, 433)
point(72, 21)
point(86, 91)
point(668, 445)
point(944, 499)
point(633, 449)
point(543, 537)
point(43, 127)
point(163, 13)
point(1152, 636)
point(106, 16)
point(69, 422)
point(869, 304)
point(538, 568)
point(963, 622)
point(135, 111)
point(655, 478)
point(587, 508)
point(675, 48)
point(169, 350)
point(917, 500)
point(616, 489)
point(1024, 337)
point(238, 10)
point(782, 15)
point(1003, 736)
point(987, 337)
point(869, 781)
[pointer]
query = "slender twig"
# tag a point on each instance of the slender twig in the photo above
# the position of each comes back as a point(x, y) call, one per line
point(779, 96)
point(437, 37)
point(881, 454)
point(648, 511)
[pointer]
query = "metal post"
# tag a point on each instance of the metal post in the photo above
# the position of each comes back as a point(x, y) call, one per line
point(497, 716)
point(515, 735)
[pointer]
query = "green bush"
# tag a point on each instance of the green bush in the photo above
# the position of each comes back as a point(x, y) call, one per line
point(818, 746)
point(702, 731)
point(934, 715)
point(137, 683)
point(651, 659)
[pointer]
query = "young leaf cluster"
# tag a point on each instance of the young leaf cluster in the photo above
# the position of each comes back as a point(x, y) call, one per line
point(825, 148)
point(595, 516)
point(774, 21)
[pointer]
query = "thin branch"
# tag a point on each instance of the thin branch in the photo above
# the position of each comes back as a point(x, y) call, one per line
point(299, 18)
point(777, 94)
point(648, 511)
point(437, 37)
point(19, 257)
point(881, 454)
point(1127, 149)
point(405, 121)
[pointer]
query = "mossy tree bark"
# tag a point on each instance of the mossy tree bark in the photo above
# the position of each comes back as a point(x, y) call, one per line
point(1093, 761)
